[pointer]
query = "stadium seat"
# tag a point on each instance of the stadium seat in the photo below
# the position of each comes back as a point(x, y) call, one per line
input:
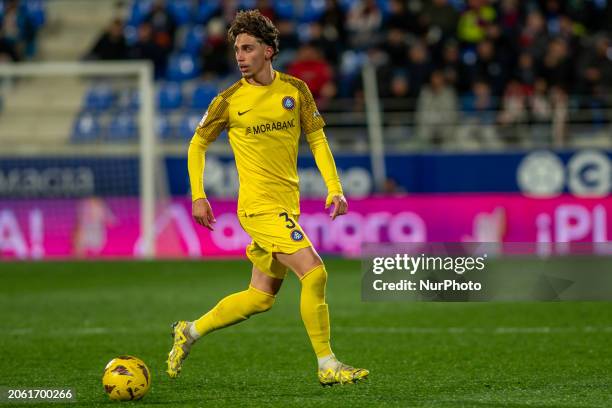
point(206, 10)
point(164, 127)
point(181, 10)
point(188, 125)
point(193, 39)
point(182, 67)
point(169, 96)
point(284, 9)
point(122, 127)
point(347, 4)
point(131, 34)
point(247, 4)
point(36, 12)
point(384, 6)
point(86, 127)
point(312, 11)
point(99, 97)
point(202, 95)
point(138, 11)
point(128, 99)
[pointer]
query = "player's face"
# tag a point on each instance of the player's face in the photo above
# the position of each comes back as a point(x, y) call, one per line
point(251, 54)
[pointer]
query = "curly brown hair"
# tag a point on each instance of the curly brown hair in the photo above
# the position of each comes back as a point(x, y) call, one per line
point(253, 23)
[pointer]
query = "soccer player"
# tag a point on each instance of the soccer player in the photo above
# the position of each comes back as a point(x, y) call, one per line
point(265, 113)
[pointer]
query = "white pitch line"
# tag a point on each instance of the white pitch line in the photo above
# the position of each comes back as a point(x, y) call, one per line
point(87, 331)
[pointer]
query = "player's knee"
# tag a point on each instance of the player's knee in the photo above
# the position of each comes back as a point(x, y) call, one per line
point(315, 279)
point(260, 301)
point(263, 304)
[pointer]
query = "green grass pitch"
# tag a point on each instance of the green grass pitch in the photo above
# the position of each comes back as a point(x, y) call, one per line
point(61, 323)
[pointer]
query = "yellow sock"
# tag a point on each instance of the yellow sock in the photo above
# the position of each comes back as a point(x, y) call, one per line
point(313, 308)
point(234, 309)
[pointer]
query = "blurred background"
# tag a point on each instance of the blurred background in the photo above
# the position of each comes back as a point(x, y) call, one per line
point(450, 121)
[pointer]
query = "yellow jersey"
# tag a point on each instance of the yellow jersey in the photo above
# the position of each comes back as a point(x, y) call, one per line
point(264, 124)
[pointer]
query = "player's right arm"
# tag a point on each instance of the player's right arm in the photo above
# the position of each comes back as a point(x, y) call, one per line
point(212, 124)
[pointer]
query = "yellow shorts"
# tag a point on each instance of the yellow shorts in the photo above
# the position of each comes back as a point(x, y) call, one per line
point(273, 232)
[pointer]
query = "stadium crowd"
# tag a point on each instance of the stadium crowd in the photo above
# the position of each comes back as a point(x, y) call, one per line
point(500, 47)
point(497, 63)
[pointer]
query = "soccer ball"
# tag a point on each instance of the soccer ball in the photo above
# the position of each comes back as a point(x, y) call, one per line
point(126, 378)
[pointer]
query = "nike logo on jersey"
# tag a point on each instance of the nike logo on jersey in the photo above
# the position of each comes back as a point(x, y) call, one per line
point(242, 113)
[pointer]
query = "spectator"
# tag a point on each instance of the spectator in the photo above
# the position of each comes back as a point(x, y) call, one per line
point(477, 128)
point(513, 116)
point(534, 37)
point(266, 8)
point(394, 90)
point(288, 38)
point(8, 50)
point(553, 13)
point(419, 67)
point(333, 21)
point(215, 51)
point(510, 18)
point(289, 43)
point(399, 18)
point(506, 32)
point(569, 32)
point(556, 66)
point(480, 103)
point(540, 113)
point(229, 10)
point(111, 45)
point(310, 67)
point(596, 66)
point(147, 48)
point(595, 74)
point(526, 72)
point(163, 24)
point(440, 18)
point(450, 64)
point(399, 87)
point(475, 22)
point(330, 48)
point(560, 104)
point(437, 107)
point(364, 21)
point(18, 28)
point(514, 107)
point(539, 103)
point(395, 47)
point(488, 67)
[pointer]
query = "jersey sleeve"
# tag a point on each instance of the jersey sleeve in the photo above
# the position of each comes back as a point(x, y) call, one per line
point(310, 118)
point(325, 162)
point(212, 124)
point(214, 121)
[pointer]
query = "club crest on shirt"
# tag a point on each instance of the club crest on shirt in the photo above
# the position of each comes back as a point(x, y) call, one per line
point(288, 102)
point(297, 235)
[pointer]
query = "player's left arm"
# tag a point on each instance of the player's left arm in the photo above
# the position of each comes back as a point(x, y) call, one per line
point(312, 124)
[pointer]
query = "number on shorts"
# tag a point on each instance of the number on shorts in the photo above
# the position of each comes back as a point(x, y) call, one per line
point(290, 223)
